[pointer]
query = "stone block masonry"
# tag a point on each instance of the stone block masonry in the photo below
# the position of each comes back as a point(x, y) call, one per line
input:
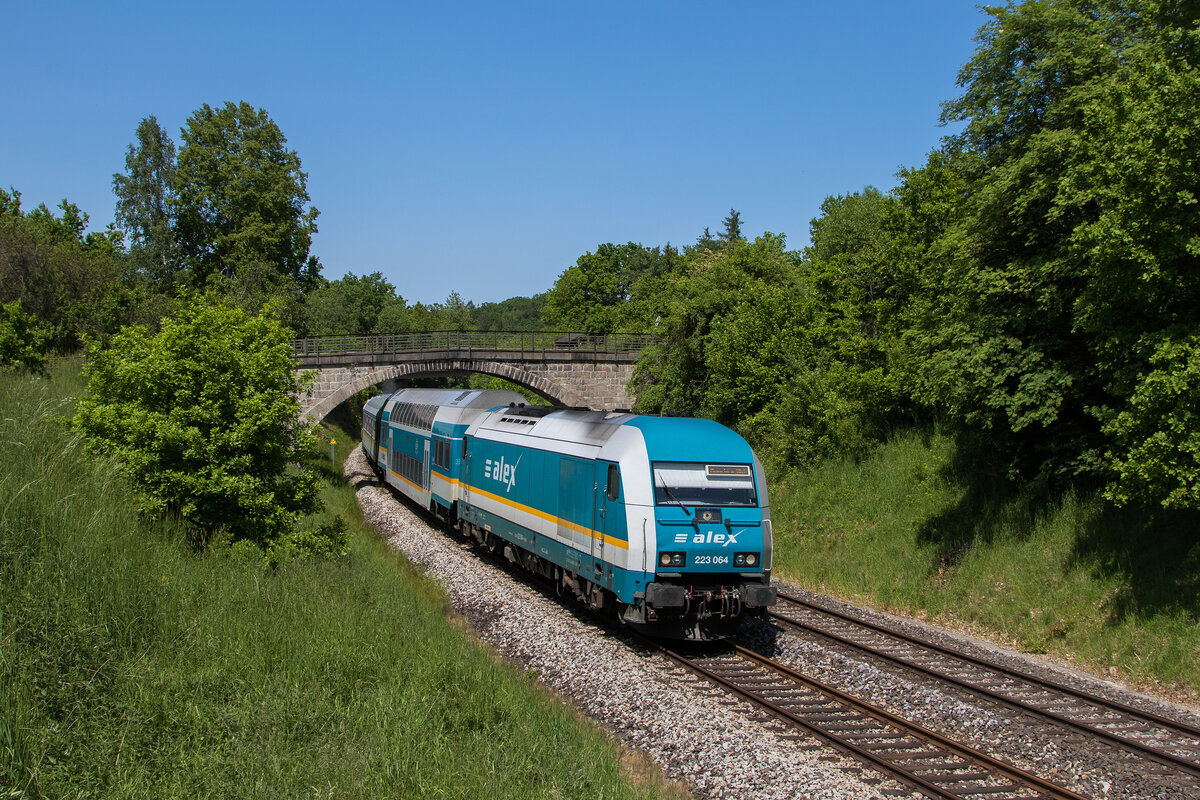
point(597, 385)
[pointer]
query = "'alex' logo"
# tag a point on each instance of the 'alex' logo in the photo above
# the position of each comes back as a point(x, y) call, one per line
point(501, 472)
point(723, 539)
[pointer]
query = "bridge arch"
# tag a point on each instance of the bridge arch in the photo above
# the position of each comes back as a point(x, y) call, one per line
point(573, 369)
point(333, 386)
point(363, 377)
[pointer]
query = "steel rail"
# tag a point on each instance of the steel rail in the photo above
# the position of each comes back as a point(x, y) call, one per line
point(1019, 777)
point(1158, 755)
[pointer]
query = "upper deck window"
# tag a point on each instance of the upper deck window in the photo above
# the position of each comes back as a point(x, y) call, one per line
point(697, 484)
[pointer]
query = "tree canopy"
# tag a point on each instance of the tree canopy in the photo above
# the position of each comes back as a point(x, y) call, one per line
point(1066, 286)
point(146, 197)
point(241, 200)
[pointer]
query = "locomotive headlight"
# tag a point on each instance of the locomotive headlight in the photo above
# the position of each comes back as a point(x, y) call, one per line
point(745, 559)
point(671, 559)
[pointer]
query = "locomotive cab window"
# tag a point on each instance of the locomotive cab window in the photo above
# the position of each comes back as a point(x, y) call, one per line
point(614, 482)
point(678, 483)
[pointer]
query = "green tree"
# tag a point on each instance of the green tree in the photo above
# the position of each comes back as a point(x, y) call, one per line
point(70, 279)
point(591, 296)
point(455, 314)
point(700, 362)
point(733, 228)
point(349, 305)
point(146, 202)
point(513, 314)
point(241, 201)
point(858, 387)
point(395, 317)
point(1069, 279)
point(203, 417)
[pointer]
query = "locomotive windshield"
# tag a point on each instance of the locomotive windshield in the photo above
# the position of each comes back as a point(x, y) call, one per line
point(678, 483)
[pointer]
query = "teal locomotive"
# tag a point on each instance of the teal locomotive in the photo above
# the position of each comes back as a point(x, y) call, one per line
point(663, 520)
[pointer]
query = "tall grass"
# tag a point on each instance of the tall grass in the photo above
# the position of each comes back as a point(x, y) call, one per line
point(921, 527)
point(133, 666)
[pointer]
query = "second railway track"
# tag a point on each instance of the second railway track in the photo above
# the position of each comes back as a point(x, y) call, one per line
point(928, 762)
point(1170, 743)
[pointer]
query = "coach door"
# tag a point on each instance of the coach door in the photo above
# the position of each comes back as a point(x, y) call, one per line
point(426, 466)
point(464, 473)
point(608, 492)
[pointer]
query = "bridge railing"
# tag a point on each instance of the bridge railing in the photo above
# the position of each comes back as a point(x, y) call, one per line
point(511, 341)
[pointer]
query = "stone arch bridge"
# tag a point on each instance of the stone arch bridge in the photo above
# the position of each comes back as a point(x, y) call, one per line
point(573, 369)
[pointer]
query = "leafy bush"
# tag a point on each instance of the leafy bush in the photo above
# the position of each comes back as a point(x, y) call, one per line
point(22, 340)
point(204, 418)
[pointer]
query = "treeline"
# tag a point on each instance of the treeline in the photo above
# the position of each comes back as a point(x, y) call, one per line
point(1036, 283)
point(227, 212)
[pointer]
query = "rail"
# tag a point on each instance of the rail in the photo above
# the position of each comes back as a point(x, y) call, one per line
point(525, 342)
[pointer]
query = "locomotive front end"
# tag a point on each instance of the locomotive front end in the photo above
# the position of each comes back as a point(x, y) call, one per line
point(714, 547)
point(709, 560)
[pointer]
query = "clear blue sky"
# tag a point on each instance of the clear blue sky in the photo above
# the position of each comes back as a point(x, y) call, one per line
point(481, 147)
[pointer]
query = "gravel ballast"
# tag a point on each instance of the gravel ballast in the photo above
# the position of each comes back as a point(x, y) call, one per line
point(719, 747)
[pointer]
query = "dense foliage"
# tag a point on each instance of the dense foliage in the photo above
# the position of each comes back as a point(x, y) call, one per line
point(1034, 282)
point(203, 417)
point(1062, 299)
point(241, 202)
point(22, 340)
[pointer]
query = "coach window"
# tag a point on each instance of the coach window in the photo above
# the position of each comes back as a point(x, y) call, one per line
point(614, 482)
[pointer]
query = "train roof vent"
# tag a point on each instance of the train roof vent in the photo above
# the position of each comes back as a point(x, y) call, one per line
point(519, 420)
point(522, 410)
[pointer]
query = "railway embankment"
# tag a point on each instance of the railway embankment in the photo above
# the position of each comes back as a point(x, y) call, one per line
point(134, 665)
point(924, 528)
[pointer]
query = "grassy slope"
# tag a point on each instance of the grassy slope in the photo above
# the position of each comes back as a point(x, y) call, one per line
point(130, 666)
point(917, 529)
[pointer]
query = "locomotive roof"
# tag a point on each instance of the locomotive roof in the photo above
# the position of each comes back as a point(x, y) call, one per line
point(691, 439)
point(667, 438)
point(579, 425)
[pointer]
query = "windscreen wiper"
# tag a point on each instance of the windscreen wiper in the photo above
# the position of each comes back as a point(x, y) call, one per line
point(667, 492)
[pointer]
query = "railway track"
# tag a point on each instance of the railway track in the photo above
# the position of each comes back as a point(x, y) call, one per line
point(1171, 744)
point(922, 759)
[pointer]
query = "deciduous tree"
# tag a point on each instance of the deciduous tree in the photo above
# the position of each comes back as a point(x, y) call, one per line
point(22, 340)
point(1060, 296)
point(145, 202)
point(242, 204)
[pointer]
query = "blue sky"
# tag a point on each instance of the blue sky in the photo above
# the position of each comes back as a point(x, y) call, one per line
point(482, 147)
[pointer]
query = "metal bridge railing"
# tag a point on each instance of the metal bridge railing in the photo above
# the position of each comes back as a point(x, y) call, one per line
point(510, 341)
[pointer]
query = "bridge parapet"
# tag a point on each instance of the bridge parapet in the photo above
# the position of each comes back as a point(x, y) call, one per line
point(543, 346)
